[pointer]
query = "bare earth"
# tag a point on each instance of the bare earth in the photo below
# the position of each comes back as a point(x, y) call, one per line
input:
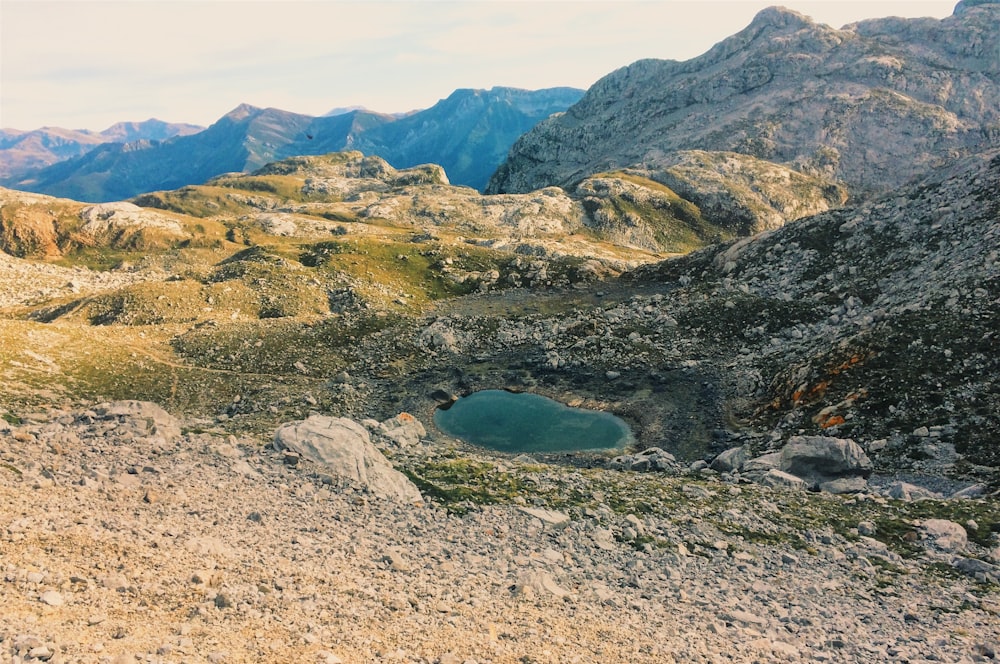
point(121, 544)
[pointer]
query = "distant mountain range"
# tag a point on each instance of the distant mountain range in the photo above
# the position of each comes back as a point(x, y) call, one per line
point(25, 151)
point(871, 105)
point(469, 134)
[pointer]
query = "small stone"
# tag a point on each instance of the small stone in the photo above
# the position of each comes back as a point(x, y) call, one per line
point(396, 561)
point(52, 598)
point(985, 650)
point(867, 528)
point(945, 535)
point(210, 578)
point(535, 584)
point(41, 652)
point(745, 617)
point(549, 518)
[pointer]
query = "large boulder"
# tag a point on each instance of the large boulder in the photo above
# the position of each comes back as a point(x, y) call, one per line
point(821, 459)
point(730, 460)
point(345, 448)
point(944, 535)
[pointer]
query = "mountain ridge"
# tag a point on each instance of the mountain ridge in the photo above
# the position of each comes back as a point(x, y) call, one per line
point(24, 151)
point(852, 104)
point(248, 137)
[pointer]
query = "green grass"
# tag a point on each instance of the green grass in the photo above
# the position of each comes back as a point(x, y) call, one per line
point(677, 225)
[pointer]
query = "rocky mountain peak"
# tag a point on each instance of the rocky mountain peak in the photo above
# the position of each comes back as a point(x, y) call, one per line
point(968, 4)
point(241, 112)
point(872, 105)
point(781, 18)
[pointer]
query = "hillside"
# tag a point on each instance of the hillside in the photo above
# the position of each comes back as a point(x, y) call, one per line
point(797, 329)
point(870, 105)
point(468, 133)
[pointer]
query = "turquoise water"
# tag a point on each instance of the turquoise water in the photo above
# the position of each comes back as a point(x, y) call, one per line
point(527, 423)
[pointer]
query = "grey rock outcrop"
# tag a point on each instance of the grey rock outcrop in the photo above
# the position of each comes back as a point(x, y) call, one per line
point(109, 216)
point(345, 448)
point(700, 197)
point(403, 430)
point(872, 104)
point(909, 492)
point(648, 460)
point(820, 459)
point(730, 460)
point(779, 479)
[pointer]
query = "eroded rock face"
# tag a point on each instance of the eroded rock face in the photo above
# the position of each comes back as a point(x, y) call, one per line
point(345, 448)
point(744, 194)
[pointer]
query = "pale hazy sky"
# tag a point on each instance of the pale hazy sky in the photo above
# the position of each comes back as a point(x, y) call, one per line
point(84, 64)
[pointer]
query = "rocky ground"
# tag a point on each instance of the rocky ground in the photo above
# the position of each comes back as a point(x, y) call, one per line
point(128, 535)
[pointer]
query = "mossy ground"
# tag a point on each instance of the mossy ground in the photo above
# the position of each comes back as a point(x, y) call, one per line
point(747, 514)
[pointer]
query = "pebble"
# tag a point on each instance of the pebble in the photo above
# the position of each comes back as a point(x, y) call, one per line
point(52, 598)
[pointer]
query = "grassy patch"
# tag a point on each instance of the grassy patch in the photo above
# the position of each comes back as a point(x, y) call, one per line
point(457, 484)
point(648, 208)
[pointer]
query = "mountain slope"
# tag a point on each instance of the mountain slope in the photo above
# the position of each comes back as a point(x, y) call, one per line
point(872, 105)
point(469, 134)
point(874, 322)
point(243, 140)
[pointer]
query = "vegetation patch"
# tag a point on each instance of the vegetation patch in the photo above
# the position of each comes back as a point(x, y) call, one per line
point(641, 212)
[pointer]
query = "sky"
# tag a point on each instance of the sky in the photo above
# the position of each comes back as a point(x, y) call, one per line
point(83, 64)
